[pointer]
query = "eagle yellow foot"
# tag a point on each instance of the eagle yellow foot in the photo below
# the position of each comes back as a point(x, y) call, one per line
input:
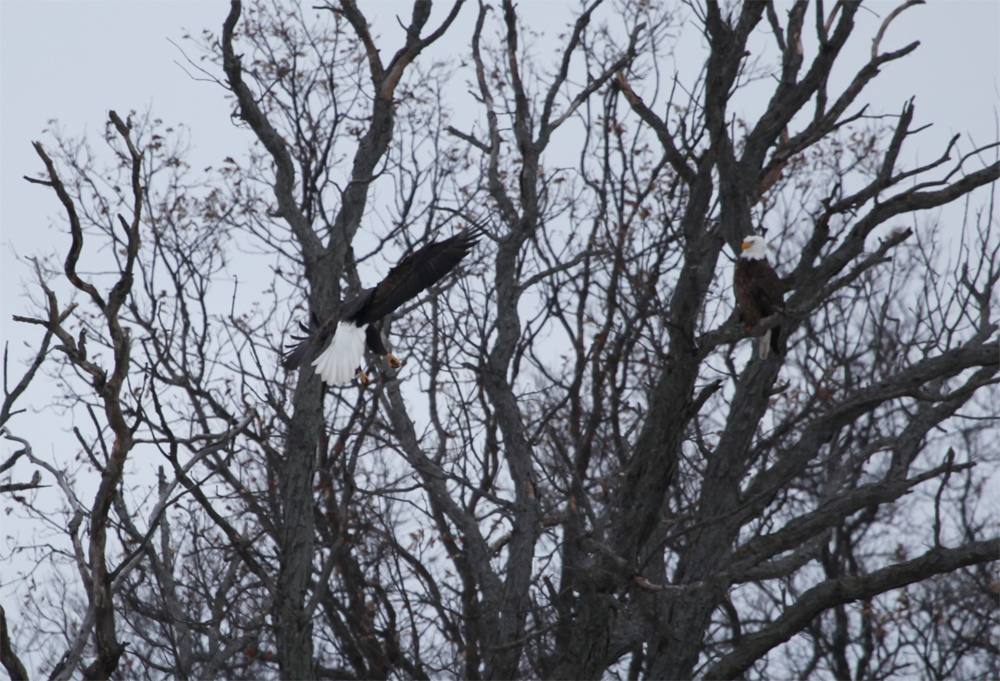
point(364, 377)
point(393, 362)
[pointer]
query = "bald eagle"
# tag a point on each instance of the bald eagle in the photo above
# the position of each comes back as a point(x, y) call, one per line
point(346, 336)
point(759, 292)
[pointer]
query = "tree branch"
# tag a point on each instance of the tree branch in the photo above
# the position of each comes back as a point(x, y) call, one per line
point(8, 657)
point(840, 591)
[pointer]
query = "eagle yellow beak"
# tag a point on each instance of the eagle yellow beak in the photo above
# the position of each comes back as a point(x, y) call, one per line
point(746, 245)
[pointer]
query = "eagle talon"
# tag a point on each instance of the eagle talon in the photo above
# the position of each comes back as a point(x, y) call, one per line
point(393, 362)
point(364, 377)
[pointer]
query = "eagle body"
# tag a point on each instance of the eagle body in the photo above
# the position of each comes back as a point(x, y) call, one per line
point(336, 347)
point(759, 291)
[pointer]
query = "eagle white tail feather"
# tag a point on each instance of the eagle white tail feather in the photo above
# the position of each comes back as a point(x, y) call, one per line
point(340, 361)
point(764, 344)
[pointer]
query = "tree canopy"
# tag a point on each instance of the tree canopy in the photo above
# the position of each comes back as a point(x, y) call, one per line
point(582, 469)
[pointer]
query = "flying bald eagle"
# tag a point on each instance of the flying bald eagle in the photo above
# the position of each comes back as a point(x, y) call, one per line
point(759, 292)
point(355, 329)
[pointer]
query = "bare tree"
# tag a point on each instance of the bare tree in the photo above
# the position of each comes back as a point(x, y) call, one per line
point(581, 470)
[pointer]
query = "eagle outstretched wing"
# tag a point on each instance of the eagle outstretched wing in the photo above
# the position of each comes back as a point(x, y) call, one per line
point(316, 338)
point(412, 275)
point(405, 281)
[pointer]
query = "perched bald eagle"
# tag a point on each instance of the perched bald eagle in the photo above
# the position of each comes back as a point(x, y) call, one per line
point(759, 292)
point(352, 331)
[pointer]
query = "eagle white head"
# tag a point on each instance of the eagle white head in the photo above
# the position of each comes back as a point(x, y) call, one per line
point(754, 248)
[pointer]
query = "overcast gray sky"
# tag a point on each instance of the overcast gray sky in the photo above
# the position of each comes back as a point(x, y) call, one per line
point(71, 61)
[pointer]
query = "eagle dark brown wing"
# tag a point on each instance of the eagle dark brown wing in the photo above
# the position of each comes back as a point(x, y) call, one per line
point(769, 291)
point(311, 345)
point(412, 275)
point(759, 291)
